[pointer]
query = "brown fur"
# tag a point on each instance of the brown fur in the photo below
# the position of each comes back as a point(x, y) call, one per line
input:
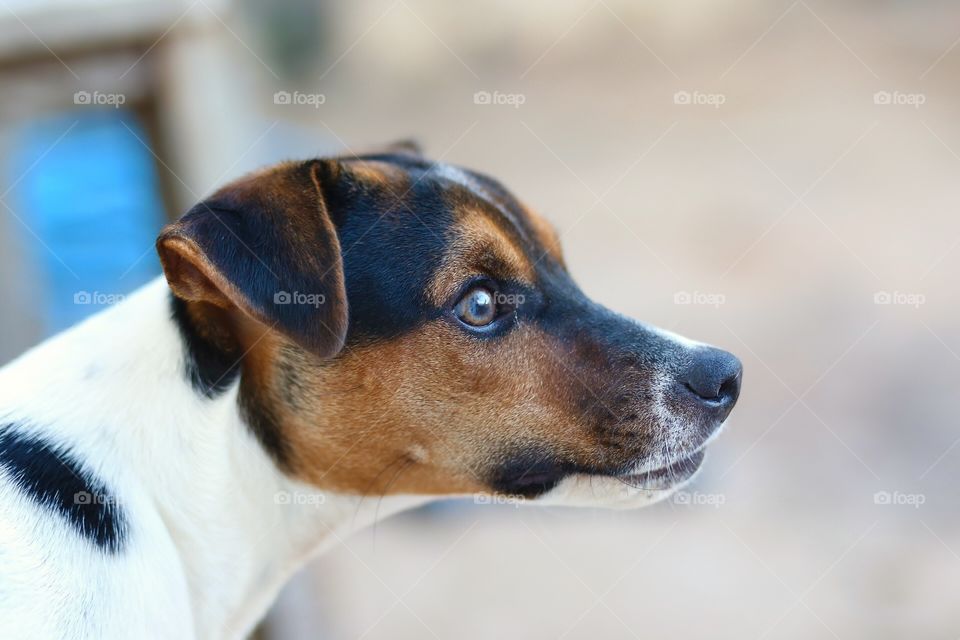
point(391, 404)
point(546, 234)
point(479, 247)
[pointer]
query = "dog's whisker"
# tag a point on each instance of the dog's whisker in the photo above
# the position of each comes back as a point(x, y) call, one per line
point(408, 462)
point(372, 484)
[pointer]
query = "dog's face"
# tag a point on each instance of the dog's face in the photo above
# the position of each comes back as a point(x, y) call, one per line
point(407, 327)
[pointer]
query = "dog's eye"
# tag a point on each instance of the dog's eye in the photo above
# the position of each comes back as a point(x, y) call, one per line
point(478, 307)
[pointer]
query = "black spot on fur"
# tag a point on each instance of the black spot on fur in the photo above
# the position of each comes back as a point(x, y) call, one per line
point(210, 368)
point(55, 480)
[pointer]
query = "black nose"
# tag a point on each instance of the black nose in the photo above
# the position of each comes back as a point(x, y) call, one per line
point(714, 378)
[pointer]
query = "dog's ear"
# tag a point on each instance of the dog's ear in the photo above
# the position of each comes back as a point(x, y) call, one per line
point(266, 246)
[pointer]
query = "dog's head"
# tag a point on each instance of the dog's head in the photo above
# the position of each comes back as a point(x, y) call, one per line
point(401, 326)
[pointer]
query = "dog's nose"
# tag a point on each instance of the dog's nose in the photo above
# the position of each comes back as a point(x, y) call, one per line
point(714, 378)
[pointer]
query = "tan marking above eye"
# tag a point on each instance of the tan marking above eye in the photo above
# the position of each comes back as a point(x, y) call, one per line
point(474, 235)
point(546, 234)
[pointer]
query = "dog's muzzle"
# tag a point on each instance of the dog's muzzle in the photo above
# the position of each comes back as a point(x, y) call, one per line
point(702, 394)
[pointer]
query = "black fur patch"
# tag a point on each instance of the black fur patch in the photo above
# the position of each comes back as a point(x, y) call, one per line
point(211, 370)
point(528, 473)
point(55, 480)
point(391, 250)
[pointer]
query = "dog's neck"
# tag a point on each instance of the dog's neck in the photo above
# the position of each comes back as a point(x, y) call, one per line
point(237, 526)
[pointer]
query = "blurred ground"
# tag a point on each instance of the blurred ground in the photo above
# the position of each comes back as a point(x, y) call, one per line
point(788, 214)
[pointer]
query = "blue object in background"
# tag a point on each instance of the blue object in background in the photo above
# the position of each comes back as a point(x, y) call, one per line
point(91, 196)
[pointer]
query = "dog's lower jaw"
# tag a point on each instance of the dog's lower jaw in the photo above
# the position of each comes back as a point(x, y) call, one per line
point(645, 485)
point(609, 492)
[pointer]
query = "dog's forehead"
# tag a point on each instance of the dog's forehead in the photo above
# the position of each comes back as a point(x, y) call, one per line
point(403, 179)
point(490, 193)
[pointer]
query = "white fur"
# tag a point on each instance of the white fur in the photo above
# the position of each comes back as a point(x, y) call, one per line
point(581, 490)
point(215, 529)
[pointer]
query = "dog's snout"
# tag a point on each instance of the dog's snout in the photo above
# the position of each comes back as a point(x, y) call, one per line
point(713, 377)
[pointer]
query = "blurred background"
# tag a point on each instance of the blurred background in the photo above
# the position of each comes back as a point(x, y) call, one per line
point(778, 178)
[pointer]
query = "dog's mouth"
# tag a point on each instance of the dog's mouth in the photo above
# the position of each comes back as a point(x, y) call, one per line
point(666, 477)
point(534, 480)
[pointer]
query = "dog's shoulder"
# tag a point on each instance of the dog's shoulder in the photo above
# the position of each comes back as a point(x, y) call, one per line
point(84, 550)
point(80, 557)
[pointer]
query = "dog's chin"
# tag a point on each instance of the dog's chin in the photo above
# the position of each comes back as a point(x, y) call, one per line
point(639, 487)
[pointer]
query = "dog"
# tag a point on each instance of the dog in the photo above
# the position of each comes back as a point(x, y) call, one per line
point(325, 331)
